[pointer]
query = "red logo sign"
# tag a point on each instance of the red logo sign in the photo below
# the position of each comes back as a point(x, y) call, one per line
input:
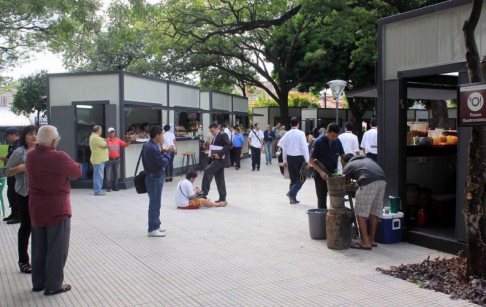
point(472, 105)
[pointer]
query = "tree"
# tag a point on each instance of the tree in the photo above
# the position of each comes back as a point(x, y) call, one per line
point(279, 41)
point(31, 95)
point(476, 179)
point(31, 25)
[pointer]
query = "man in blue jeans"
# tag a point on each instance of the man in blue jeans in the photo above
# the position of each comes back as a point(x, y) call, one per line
point(154, 163)
point(268, 137)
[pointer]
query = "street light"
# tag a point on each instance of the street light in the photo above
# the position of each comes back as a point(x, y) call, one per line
point(337, 88)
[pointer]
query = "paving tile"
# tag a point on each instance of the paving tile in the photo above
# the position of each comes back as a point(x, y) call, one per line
point(255, 252)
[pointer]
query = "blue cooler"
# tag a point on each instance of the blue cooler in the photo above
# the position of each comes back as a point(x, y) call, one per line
point(390, 228)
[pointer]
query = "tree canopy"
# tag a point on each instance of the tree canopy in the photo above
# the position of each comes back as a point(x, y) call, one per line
point(33, 25)
point(219, 44)
point(31, 95)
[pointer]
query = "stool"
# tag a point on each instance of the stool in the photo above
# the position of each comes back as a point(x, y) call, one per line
point(190, 159)
point(2, 185)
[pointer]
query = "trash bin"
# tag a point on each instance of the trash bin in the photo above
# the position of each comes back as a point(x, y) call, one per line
point(317, 223)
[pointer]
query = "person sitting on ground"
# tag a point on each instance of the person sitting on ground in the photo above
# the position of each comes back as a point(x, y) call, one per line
point(185, 194)
point(369, 198)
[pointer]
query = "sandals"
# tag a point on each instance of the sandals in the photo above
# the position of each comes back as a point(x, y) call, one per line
point(359, 246)
point(25, 268)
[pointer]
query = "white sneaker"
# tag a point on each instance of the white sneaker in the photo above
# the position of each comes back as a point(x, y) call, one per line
point(162, 229)
point(156, 233)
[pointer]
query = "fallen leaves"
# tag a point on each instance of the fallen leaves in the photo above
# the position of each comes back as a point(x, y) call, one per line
point(443, 275)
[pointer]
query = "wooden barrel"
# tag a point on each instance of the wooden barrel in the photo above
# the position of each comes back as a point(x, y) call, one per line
point(339, 230)
point(337, 202)
point(336, 186)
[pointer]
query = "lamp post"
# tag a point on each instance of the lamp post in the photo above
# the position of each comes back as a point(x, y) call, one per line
point(337, 88)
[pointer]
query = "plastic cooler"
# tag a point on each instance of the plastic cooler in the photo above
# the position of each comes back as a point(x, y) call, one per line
point(390, 228)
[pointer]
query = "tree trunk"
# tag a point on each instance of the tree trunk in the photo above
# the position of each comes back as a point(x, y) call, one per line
point(38, 119)
point(476, 179)
point(284, 111)
point(439, 113)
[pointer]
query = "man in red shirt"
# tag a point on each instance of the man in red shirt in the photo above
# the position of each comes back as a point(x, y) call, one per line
point(48, 173)
point(113, 165)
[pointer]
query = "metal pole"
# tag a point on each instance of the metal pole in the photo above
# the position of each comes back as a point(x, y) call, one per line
point(337, 110)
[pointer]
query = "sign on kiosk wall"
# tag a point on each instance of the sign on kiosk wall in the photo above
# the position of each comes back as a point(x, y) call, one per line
point(472, 106)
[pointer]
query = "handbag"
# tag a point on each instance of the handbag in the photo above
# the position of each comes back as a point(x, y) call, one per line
point(139, 180)
point(305, 172)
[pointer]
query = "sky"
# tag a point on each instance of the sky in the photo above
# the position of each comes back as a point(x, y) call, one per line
point(39, 61)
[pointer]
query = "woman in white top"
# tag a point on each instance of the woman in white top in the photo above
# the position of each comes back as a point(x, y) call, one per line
point(185, 194)
point(170, 147)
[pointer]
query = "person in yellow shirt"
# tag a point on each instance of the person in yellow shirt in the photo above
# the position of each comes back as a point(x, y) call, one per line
point(99, 155)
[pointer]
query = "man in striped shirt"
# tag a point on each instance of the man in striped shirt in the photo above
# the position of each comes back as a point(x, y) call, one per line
point(113, 164)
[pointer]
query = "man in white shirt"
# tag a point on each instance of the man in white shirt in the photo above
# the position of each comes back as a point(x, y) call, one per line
point(256, 144)
point(170, 148)
point(349, 140)
point(369, 142)
point(185, 194)
point(295, 154)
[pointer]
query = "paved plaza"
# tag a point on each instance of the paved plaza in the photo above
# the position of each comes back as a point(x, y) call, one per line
point(255, 252)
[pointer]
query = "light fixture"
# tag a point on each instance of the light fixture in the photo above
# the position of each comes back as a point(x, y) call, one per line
point(337, 88)
point(83, 106)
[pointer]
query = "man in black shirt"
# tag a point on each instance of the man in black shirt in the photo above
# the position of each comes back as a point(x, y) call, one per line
point(326, 149)
point(12, 135)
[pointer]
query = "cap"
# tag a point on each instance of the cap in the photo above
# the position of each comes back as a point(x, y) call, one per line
point(11, 131)
point(111, 129)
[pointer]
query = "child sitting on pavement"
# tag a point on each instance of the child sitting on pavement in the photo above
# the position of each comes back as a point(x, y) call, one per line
point(185, 194)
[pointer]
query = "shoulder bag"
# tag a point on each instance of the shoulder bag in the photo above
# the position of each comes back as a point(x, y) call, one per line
point(305, 172)
point(256, 137)
point(139, 180)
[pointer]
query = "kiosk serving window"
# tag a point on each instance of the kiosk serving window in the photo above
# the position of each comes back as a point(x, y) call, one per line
point(135, 116)
point(186, 123)
point(221, 118)
point(242, 121)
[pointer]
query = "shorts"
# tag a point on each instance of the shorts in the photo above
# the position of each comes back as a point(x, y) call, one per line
point(194, 203)
point(369, 199)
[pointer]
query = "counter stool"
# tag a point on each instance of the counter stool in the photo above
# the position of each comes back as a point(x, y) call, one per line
point(190, 160)
point(2, 185)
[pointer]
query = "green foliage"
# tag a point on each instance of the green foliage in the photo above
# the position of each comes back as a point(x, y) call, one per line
point(33, 25)
point(305, 101)
point(31, 94)
point(264, 101)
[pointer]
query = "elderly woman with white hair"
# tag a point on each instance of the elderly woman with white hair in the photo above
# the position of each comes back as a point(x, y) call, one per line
point(48, 172)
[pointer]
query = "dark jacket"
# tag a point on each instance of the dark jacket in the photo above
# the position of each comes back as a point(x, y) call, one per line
point(364, 170)
point(222, 140)
point(153, 160)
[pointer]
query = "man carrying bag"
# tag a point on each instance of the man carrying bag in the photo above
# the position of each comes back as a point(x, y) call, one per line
point(219, 152)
